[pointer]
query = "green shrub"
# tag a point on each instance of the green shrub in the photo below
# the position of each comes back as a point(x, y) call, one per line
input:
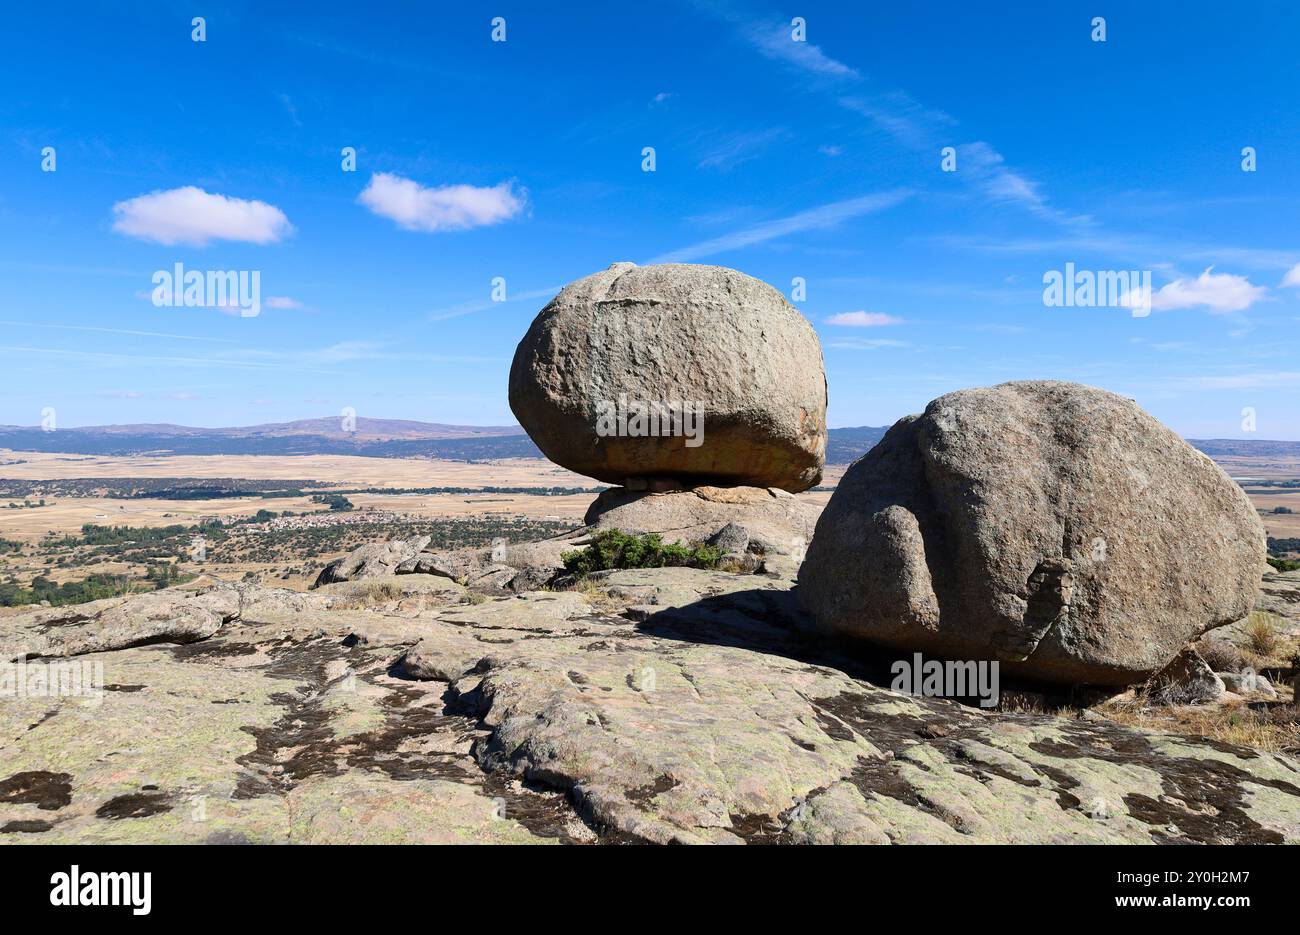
point(614, 548)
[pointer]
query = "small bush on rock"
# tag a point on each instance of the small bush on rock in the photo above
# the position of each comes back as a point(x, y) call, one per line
point(614, 548)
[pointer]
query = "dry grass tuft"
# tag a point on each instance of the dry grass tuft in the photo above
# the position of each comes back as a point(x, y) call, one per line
point(1262, 634)
point(1271, 727)
point(598, 597)
point(380, 591)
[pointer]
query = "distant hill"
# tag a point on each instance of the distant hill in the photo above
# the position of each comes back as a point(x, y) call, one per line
point(844, 446)
point(1242, 447)
point(398, 438)
point(328, 427)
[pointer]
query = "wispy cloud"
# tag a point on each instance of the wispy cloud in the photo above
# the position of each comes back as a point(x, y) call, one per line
point(1244, 381)
point(122, 331)
point(775, 39)
point(1128, 249)
point(863, 344)
point(482, 305)
point(733, 149)
point(192, 216)
point(987, 167)
point(908, 121)
point(819, 218)
point(446, 208)
point(902, 117)
point(287, 102)
point(863, 319)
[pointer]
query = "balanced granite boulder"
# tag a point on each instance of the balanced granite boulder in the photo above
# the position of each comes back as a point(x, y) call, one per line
point(1055, 527)
point(697, 374)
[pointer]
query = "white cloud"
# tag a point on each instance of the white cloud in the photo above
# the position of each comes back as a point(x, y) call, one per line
point(831, 150)
point(195, 217)
point(863, 319)
point(1222, 293)
point(448, 207)
point(281, 301)
point(1292, 277)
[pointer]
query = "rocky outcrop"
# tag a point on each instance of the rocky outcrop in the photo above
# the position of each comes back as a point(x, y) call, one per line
point(705, 716)
point(773, 520)
point(379, 558)
point(1187, 679)
point(1054, 527)
point(171, 616)
point(525, 566)
point(702, 336)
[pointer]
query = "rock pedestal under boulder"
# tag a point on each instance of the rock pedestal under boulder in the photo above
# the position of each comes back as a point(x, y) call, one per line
point(770, 519)
point(674, 334)
point(1052, 526)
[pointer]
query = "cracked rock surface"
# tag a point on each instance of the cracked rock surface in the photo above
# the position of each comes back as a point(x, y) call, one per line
point(666, 705)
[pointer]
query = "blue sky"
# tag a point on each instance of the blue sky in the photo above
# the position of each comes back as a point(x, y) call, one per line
point(523, 160)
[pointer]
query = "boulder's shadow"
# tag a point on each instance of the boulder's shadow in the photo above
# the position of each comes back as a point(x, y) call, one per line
point(772, 622)
point(765, 621)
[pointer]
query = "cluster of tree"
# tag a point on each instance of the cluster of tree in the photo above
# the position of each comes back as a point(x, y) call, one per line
point(27, 505)
point(157, 488)
point(294, 545)
point(336, 502)
point(164, 575)
point(93, 588)
point(1280, 547)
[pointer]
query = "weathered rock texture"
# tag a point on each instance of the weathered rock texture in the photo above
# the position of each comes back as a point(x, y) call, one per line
point(700, 714)
point(1052, 526)
point(671, 333)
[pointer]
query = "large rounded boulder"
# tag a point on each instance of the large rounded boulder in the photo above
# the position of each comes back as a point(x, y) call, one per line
point(730, 373)
point(1055, 527)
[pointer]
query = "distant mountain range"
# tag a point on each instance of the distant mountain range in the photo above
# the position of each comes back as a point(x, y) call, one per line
point(360, 429)
point(400, 438)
